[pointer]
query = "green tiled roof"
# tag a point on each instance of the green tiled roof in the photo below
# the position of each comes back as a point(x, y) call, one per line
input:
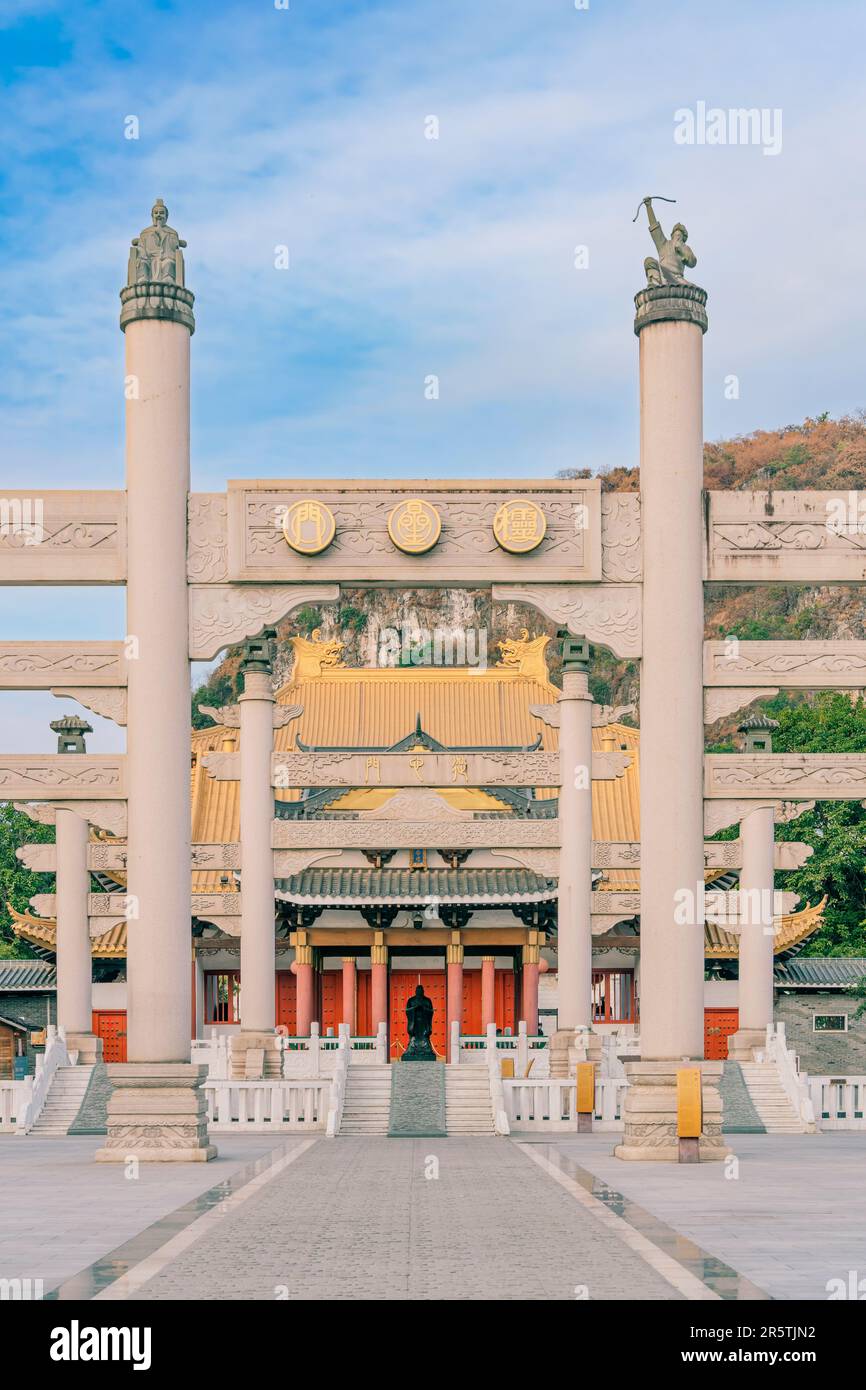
point(349, 887)
point(821, 972)
point(22, 975)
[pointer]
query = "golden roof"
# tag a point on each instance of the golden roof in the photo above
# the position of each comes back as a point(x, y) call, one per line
point(42, 933)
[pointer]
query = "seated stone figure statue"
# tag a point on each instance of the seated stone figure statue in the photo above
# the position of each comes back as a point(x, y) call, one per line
point(419, 1024)
point(155, 256)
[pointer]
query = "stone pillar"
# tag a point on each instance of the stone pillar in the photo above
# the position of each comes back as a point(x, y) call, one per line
point(530, 989)
point(305, 1006)
point(350, 1013)
point(453, 990)
point(379, 984)
point(755, 995)
point(574, 897)
point(488, 992)
point(258, 956)
point(157, 1110)
point(670, 323)
point(74, 961)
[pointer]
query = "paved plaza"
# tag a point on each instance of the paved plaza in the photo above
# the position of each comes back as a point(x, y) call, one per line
point(474, 1218)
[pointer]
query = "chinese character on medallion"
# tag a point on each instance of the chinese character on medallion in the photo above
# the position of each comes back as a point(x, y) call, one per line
point(309, 526)
point(519, 526)
point(414, 526)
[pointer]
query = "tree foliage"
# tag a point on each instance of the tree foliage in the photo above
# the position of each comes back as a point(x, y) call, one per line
point(17, 883)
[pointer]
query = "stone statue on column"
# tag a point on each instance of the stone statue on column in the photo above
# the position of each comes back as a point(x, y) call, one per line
point(673, 252)
point(155, 256)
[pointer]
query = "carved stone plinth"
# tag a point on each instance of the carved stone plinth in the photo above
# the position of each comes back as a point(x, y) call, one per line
point(741, 1044)
point(87, 1045)
point(157, 1114)
point(568, 1046)
point(650, 1112)
point(242, 1043)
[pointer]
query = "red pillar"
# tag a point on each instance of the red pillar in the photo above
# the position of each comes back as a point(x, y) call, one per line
point(379, 986)
point(349, 1005)
point(488, 992)
point(304, 977)
point(530, 989)
point(454, 993)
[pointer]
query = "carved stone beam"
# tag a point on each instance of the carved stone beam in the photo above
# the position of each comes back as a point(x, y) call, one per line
point(538, 861)
point(52, 537)
point(48, 777)
point(507, 833)
point(44, 665)
point(718, 815)
point(222, 615)
point(615, 854)
point(825, 776)
point(785, 537)
point(609, 615)
point(294, 861)
point(491, 769)
point(720, 702)
point(728, 854)
point(602, 715)
point(786, 665)
point(624, 904)
point(107, 815)
point(229, 716)
point(603, 922)
point(111, 704)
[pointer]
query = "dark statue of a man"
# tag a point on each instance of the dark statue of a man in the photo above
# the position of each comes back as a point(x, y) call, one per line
point(419, 1024)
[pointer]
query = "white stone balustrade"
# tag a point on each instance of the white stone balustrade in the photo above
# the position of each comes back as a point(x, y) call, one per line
point(838, 1102)
point(260, 1107)
point(548, 1104)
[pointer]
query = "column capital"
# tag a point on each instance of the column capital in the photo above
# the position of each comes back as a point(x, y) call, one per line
point(530, 954)
point(670, 304)
point(153, 301)
point(454, 954)
point(379, 954)
point(303, 955)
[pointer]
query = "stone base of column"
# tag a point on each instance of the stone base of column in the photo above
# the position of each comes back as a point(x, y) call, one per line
point(269, 1043)
point(157, 1113)
point(87, 1045)
point(650, 1113)
point(741, 1044)
point(568, 1046)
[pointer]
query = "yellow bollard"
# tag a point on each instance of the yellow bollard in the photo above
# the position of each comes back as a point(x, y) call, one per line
point(689, 1113)
point(585, 1104)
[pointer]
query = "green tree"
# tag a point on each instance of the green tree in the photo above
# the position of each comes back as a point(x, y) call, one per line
point(17, 883)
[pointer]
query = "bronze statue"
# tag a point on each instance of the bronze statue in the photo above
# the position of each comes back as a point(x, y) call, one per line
point(674, 252)
point(155, 256)
point(419, 1025)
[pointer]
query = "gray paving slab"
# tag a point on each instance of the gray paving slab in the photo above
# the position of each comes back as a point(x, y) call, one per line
point(410, 1219)
point(791, 1215)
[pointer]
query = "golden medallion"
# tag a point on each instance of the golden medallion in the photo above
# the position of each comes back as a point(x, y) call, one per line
point(519, 526)
point(309, 526)
point(414, 526)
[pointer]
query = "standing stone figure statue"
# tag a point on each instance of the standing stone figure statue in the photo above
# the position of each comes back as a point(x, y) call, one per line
point(674, 253)
point(419, 1024)
point(155, 256)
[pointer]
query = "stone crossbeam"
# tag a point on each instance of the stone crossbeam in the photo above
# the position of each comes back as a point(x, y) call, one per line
point(416, 769)
point(785, 665)
point(46, 665)
point(55, 776)
point(824, 776)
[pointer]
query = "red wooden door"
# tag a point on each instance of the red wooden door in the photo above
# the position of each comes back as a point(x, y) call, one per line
point(331, 996)
point(110, 1026)
point(471, 1021)
point(364, 1003)
point(403, 983)
point(286, 1001)
point(719, 1024)
point(503, 1001)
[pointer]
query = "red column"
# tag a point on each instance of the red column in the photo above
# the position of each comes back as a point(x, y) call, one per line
point(530, 989)
point(304, 977)
point(349, 1003)
point(454, 993)
point(379, 986)
point(488, 992)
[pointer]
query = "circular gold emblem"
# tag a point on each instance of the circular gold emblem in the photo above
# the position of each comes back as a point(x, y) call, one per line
point(414, 526)
point(519, 526)
point(309, 526)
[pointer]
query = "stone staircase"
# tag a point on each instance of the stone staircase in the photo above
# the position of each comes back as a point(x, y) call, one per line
point(63, 1102)
point(367, 1106)
point(468, 1108)
point(768, 1095)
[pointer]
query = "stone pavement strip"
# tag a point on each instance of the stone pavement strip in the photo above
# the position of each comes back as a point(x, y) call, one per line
point(360, 1219)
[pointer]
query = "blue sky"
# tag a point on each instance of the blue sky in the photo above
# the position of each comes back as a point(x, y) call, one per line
point(305, 127)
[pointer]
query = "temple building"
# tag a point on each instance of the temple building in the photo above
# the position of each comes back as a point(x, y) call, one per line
point(356, 929)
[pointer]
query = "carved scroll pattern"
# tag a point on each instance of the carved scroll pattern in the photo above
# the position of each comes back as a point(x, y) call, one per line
point(222, 615)
point(620, 537)
point(609, 616)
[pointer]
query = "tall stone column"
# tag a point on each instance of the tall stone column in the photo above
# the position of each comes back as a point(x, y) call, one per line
point(74, 960)
point(530, 989)
point(757, 919)
point(379, 984)
point(258, 954)
point(670, 323)
point(453, 991)
point(574, 898)
point(157, 1110)
point(350, 1019)
point(305, 1006)
point(488, 992)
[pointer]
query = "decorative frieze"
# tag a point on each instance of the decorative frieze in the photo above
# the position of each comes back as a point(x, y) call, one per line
point(415, 769)
point(49, 537)
point(207, 538)
point(110, 703)
point(221, 615)
point(784, 537)
point(825, 776)
point(508, 833)
point(229, 716)
point(719, 702)
point(49, 776)
point(466, 532)
point(106, 815)
point(620, 537)
point(718, 815)
point(44, 665)
point(609, 615)
point(785, 665)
